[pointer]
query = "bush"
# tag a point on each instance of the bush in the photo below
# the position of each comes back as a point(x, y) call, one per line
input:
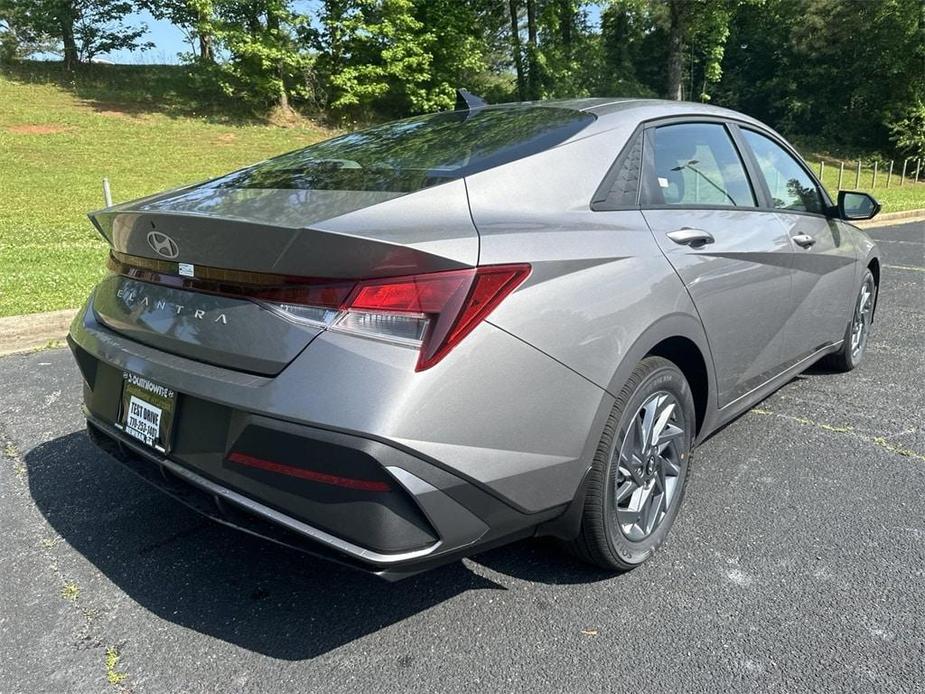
point(908, 133)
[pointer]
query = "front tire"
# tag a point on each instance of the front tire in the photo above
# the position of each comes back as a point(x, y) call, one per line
point(639, 473)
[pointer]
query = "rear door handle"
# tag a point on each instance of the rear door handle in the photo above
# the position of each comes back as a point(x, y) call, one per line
point(686, 236)
point(804, 240)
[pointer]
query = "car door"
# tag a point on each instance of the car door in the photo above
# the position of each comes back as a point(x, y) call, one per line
point(824, 259)
point(733, 257)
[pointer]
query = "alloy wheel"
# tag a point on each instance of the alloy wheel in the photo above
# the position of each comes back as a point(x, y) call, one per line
point(863, 312)
point(650, 460)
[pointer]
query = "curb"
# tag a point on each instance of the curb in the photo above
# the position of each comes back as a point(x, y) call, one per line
point(34, 331)
point(904, 217)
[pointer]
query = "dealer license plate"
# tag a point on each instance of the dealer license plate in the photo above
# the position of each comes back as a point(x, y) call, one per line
point(147, 411)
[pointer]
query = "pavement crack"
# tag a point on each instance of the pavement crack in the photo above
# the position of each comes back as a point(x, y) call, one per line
point(880, 441)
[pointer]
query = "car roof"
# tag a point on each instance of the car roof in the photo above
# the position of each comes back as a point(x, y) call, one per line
point(612, 112)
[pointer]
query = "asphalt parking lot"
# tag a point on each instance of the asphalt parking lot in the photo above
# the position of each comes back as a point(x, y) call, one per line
point(797, 563)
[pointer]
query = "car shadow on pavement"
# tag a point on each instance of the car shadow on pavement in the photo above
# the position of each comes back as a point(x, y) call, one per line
point(224, 583)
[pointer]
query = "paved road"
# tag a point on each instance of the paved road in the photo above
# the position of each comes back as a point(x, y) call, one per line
point(797, 563)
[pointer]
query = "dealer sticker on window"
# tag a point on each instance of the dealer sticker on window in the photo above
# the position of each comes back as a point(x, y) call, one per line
point(147, 411)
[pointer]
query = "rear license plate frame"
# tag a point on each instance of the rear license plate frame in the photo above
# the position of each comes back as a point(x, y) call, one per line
point(146, 411)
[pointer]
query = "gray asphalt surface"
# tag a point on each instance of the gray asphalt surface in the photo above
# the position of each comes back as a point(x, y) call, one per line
point(797, 563)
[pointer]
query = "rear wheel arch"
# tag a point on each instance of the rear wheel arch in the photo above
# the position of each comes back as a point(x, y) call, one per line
point(874, 266)
point(686, 355)
point(680, 338)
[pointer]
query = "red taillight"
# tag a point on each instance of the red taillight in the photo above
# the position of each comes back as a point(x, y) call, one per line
point(452, 303)
point(491, 285)
point(428, 293)
point(433, 311)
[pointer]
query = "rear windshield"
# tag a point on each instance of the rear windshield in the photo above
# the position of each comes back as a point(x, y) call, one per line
point(411, 154)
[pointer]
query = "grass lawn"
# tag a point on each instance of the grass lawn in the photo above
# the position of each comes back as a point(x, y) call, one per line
point(146, 129)
point(57, 142)
point(910, 196)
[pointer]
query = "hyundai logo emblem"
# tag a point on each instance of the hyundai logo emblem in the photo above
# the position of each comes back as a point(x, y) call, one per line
point(163, 244)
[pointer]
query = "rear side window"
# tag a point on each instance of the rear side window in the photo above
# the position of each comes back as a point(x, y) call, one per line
point(412, 154)
point(696, 164)
point(790, 186)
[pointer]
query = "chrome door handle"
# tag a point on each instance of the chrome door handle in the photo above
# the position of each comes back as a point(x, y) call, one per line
point(804, 240)
point(694, 238)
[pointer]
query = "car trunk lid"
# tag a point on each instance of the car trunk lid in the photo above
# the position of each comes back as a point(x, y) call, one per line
point(193, 274)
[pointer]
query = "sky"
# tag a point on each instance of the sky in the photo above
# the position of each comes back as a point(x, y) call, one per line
point(167, 38)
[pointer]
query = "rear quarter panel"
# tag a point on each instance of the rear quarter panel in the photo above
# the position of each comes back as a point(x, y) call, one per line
point(601, 294)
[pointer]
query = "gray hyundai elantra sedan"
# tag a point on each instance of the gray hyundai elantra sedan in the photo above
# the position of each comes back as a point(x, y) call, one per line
point(406, 344)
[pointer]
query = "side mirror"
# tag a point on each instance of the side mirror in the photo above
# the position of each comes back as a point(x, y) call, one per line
point(854, 206)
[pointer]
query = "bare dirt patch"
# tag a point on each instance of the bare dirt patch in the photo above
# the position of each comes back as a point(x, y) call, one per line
point(226, 138)
point(113, 114)
point(36, 129)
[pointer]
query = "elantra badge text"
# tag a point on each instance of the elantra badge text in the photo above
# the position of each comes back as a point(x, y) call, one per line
point(134, 300)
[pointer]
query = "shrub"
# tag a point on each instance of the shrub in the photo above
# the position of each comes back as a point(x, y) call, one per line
point(908, 132)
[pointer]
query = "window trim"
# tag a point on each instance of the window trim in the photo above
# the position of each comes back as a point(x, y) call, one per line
point(648, 164)
point(599, 199)
point(753, 171)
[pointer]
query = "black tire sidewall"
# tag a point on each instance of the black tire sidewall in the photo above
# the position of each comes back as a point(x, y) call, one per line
point(669, 378)
point(854, 307)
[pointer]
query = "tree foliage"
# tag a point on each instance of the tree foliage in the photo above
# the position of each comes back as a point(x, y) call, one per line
point(843, 72)
point(193, 17)
point(78, 30)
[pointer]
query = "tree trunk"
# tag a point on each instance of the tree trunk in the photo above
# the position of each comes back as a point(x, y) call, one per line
point(516, 53)
point(566, 22)
point(204, 32)
point(675, 50)
point(533, 72)
point(71, 57)
point(273, 27)
point(205, 48)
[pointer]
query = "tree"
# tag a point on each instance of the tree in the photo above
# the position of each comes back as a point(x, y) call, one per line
point(570, 53)
point(908, 131)
point(194, 18)
point(98, 27)
point(631, 46)
point(386, 57)
point(79, 29)
point(267, 43)
point(20, 37)
point(837, 72)
point(534, 74)
point(701, 26)
point(516, 49)
point(460, 47)
point(678, 16)
point(858, 66)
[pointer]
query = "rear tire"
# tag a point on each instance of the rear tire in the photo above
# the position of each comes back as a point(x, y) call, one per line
point(854, 343)
point(639, 473)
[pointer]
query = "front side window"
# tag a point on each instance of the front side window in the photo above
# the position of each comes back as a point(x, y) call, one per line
point(791, 187)
point(697, 164)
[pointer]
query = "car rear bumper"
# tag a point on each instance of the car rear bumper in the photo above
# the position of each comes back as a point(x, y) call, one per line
point(418, 517)
point(457, 531)
point(443, 470)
